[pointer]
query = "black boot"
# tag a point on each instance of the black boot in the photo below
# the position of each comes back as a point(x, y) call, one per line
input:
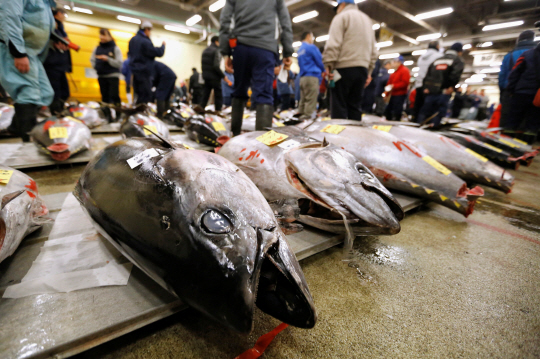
point(162, 107)
point(265, 113)
point(237, 115)
point(57, 107)
point(24, 120)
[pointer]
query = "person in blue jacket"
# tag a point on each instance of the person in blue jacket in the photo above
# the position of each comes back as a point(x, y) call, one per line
point(143, 54)
point(25, 30)
point(380, 82)
point(164, 81)
point(311, 69)
point(523, 85)
point(369, 96)
point(126, 72)
point(227, 89)
point(524, 42)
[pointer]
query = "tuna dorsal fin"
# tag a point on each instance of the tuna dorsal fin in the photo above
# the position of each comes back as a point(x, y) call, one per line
point(325, 143)
point(10, 197)
point(165, 141)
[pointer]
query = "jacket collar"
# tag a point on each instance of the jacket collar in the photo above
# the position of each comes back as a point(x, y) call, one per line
point(525, 45)
point(141, 32)
point(349, 7)
point(451, 52)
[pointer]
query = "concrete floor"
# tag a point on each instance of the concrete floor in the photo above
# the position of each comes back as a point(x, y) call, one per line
point(445, 286)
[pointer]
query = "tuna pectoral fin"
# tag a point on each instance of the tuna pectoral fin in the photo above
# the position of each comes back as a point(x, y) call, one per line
point(10, 197)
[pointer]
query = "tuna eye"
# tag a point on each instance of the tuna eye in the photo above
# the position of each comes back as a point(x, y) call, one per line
point(215, 222)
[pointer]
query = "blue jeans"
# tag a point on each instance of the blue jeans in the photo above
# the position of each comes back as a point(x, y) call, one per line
point(434, 104)
point(254, 67)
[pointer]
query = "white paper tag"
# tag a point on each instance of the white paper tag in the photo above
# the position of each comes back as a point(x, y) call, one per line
point(337, 76)
point(289, 145)
point(142, 157)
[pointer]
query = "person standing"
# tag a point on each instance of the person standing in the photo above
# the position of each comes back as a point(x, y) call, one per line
point(458, 103)
point(164, 80)
point(21, 72)
point(126, 71)
point(311, 68)
point(227, 87)
point(380, 83)
point(284, 88)
point(252, 40)
point(482, 106)
point(107, 60)
point(369, 97)
point(350, 51)
point(212, 74)
point(142, 57)
point(397, 88)
point(196, 83)
point(439, 84)
point(424, 61)
point(524, 42)
point(58, 63)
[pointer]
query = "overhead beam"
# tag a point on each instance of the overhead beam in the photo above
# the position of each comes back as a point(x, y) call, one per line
point(407, 15)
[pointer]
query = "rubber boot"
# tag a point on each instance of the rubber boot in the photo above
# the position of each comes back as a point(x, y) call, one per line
point(161, 108)
point(265, 113)
point(24, 120)
point(237, 115)
point(57, 107)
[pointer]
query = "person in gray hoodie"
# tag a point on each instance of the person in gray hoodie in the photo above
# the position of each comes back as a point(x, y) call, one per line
point(250, 32)
point(424, 62)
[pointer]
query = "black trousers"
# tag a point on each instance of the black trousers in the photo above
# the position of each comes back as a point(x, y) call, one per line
point(109, 87)
point(506, 106)
point(395, 108)
point(346, 96)
point(524, 116)
point(418, 102)
point(142, 85)
point(210, 85)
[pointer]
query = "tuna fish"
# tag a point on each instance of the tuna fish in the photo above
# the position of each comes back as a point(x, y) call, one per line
point(90, 116)
point(464, 162)
point(62, 138)
point(208, 129)
point(142, 125)
point(199, 226)
point(399, 165)
point(315, 183)
point(21, 209)
point(6, 116)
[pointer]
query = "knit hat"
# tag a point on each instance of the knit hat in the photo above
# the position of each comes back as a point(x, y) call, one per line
point(527, 35)
point(146, 24)
point(458, 47)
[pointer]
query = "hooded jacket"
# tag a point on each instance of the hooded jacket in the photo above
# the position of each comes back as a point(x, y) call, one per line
point(423, 64)
point(352, 41)
point(444, 73)
point(525, 77)
point(258, 23)
point(510, 60)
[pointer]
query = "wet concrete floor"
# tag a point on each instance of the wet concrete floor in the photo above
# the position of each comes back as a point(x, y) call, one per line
point(445, 286)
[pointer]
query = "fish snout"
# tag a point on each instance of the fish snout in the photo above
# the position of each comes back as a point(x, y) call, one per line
point(59, 151)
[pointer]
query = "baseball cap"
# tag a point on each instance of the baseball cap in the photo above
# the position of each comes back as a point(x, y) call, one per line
point(146, 25)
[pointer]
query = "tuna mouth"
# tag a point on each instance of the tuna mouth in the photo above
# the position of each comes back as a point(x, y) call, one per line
point(223, 139)
point(59, 151)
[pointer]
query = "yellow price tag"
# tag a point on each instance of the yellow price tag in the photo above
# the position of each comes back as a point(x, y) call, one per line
point(185, 114)
point(326, 119)
point(279, 124)
point(5, 176)
point(335, 129)
point(188, 147)
point(520, 141)
point(58, 132)
point(480, 157)
point(382, 128)
point(246, 115)
point(493, 147)
point(271, 138)
point(78, 114)
point(277, 116)
point(218, 126)
point(149, 128)
point(75, 120)
point(508, 143)
point(437, 165)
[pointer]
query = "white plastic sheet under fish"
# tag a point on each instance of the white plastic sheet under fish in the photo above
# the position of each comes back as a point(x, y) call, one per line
point(75, 257)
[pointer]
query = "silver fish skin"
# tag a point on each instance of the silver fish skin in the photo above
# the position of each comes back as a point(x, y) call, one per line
point(89, 115)
point(6, 116)
point(21, 211)
point(460, 160)
point(199, 226)
point(61, 148)
point(399, 165)
point(131, 127)
point(321, 182)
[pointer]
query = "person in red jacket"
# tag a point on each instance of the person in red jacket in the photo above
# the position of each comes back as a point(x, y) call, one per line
point(397, 87)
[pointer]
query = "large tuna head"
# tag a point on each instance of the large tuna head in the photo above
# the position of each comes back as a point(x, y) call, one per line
point(208, 129)
point(338, 184)
point(142, 125)
point(198, 224)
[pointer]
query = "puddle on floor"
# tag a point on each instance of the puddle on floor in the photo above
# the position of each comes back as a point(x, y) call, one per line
point(526, 218)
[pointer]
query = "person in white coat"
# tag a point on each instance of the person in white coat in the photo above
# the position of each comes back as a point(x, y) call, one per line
point(424, 62)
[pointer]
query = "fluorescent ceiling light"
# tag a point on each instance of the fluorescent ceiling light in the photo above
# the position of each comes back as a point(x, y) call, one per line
point(389, 56)
point(537, 38)
point(217, 5)
point(503, 25)
point(408, 63)
point(474, 80)
point(306, 16)
point(467, 46)
point(416, 74)
point(295, 55)
point(415, 69)
point(322, 38)
point(419, 52)
point(428, 37)
point(385, 44)
point(129, 19)
point(80, 9)
point(193, 20)
point(357, 1)
point(67, 7)
point(376, 26)
point(297, 44)
point(182, 30)
point(430, 14)
point(485, 44)
point(491, 70)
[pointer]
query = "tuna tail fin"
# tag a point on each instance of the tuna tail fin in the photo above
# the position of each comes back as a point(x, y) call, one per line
point(166, 142)
point(10, 197)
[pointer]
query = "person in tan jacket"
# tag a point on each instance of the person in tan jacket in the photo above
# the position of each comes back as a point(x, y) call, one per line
point(350, 51)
